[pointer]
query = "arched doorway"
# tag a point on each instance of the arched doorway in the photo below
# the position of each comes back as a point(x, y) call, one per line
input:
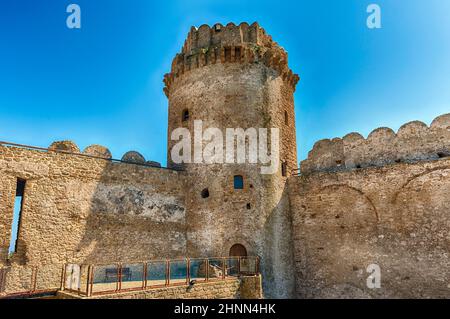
point(238, 250)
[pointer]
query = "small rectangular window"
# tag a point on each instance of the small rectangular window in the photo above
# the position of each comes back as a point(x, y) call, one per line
point(17, 215)
point(238, 182)
point(237, 55)
point(228, 54)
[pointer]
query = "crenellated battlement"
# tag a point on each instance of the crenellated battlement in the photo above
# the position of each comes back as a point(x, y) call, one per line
point(229, 35)
point(229, 44)
point(414, 141)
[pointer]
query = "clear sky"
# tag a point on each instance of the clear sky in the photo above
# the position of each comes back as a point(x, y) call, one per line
point(103, 84)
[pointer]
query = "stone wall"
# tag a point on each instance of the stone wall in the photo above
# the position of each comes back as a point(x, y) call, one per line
point(89, 209)
point(396, 216)
point(251, 287)
point(414, 141)
point(214, 290)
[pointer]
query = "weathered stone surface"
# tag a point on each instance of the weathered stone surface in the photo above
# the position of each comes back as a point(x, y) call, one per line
point(133, 157)
point(414, 141)
point(88, 210)
point(229, 289)
point(441, 122)
point(229, 91)
point(251, 287)
point(241, 44)
point(98, 151)
point(395, 216)
point(153, 164)
point(66, 146)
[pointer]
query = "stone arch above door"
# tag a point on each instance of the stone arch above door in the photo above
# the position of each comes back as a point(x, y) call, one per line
point(238, 250)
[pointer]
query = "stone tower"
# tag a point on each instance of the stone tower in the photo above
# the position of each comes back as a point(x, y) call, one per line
point(237, 77)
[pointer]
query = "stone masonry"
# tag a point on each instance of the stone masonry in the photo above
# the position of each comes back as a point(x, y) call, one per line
point(237, 77)
point(381, 200)
point(247, 287)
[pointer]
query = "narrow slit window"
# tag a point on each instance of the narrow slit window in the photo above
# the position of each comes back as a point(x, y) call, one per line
point(17, 215)
point(238, 182)
point(286, 118)
point(185, 116)
point(284, 169)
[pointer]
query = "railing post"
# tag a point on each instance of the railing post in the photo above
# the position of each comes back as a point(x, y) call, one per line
point(79, 279)
point(144, 275)
point(167, 272)
point(119, 277)
point(207, 269)
point(224, 268)
point(239, 266)
point(63, 277)
point(188, 270)
point(33, 278)
point(91, 280)
point(87, 279)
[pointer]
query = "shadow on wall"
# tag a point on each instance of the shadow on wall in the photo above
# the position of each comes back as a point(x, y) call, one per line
point(86, 208)
point(136, 213)
point(278, 262)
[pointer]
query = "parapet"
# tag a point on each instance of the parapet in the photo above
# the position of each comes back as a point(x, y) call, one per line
point(229, 44)
point(137, 158)
point(133, 157)
point(72, 148)
point(64, 146)
point(414, 141)
point(96, 151)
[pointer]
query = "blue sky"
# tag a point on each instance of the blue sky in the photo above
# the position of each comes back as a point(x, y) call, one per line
point(103, 84)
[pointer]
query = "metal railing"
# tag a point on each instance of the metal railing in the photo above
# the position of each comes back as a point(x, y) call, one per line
point(100, 279)
point(30, 280)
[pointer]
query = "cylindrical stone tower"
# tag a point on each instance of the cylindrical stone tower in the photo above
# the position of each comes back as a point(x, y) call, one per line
point(237, 77)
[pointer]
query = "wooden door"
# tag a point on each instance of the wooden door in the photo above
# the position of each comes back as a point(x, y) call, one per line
point(238, 250)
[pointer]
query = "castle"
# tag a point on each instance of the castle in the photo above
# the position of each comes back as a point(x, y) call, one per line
point(355, 202)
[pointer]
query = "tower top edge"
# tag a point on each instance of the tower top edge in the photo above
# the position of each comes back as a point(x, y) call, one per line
point(243, 43)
